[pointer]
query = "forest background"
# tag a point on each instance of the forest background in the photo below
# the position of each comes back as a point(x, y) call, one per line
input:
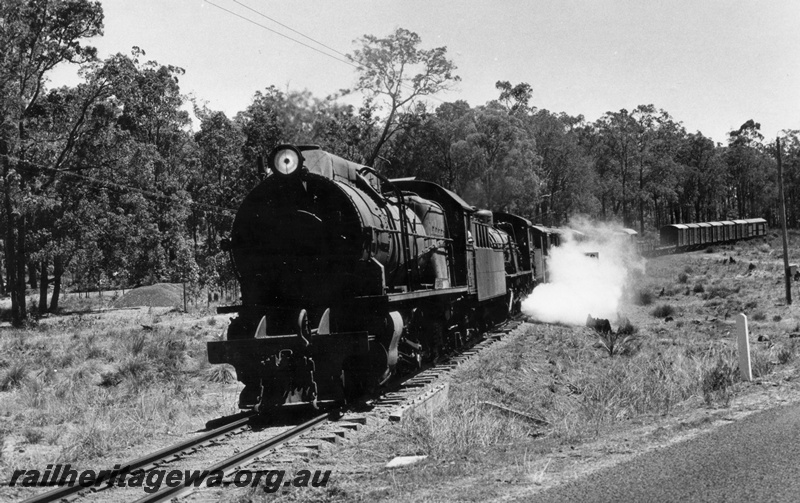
point(116, 182)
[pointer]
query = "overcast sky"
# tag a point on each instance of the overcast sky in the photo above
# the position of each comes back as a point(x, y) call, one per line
point(711, 64)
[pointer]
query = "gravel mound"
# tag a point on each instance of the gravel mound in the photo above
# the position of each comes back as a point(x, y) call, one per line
point(158, 295)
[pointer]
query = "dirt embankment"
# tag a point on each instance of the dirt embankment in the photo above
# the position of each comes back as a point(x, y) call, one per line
point(158, 295)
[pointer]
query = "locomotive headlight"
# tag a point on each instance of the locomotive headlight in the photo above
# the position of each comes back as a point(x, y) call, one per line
point(285, 160)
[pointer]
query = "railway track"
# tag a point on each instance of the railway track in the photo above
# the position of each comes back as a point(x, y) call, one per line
point(388, 403)
point(149, 461)
point(231, 464)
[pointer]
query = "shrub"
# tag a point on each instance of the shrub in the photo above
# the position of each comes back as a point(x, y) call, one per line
point(167, 355)
point(785, 355)
point(717, 382)
point(66, 359)
point(663, 310)
point(137, 344)
point(623, 342)
point(720, 291)
point(759, 316)
point(761, 364)
point(92, 350)
point(734, 306)
point(134, 368)
point(14, 376)
point(221, 373)
point(710, 250)
point(32, 435)
point(683, 278)
point(643, 297)
point(110, 379)
point(626, 327)
point(699, 288)
point(90, 441)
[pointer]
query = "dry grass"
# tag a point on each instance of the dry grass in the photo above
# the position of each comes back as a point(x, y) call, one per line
point(585, 391)
point(76, 388)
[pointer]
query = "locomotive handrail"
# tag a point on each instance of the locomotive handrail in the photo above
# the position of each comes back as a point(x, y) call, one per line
point(403, 221)
point(422, 236)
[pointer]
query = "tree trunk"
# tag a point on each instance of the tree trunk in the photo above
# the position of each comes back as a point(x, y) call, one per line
point(641, 216)
point(43, 286)
point(194, 221)
point(656, 212)
point(370, 161)
point(22, 311)
point(10, 248)
point(641, 197)
point(624, 202)
point(58, 271)
point(21, 252)
point(32, 275)
point(2, 283)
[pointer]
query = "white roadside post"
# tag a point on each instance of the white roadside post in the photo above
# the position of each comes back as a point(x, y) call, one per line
point(744, 347)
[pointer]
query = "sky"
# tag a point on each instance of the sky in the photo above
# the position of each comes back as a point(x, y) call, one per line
point(711, 64)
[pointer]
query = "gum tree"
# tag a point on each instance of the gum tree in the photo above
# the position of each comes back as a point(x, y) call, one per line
point(35, 36)
point(397, 71)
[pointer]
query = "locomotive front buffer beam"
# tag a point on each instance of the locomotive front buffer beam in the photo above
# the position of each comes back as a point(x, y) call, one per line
point(283, 371)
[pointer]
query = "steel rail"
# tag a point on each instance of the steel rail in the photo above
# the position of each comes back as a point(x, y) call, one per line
point(228, 465)
point(69, 490)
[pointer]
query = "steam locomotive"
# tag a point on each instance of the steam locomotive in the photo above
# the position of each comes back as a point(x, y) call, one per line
point(348, 277)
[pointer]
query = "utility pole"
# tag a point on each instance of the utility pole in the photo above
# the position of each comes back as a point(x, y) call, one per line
point(787, 272)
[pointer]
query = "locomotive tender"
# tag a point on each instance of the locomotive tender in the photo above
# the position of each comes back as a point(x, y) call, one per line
point(348, 277)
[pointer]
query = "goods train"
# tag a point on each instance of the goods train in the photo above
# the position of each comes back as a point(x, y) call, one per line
point(348, 277)
point(685, 237)
point(677, 238)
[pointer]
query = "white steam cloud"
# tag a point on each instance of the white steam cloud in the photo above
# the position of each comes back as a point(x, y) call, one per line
point(579, 285)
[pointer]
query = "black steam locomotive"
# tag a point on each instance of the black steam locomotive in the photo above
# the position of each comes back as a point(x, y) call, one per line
point(348, 277)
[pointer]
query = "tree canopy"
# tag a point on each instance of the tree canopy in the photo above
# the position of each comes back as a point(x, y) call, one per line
point(397, 70)
point(111, 183)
